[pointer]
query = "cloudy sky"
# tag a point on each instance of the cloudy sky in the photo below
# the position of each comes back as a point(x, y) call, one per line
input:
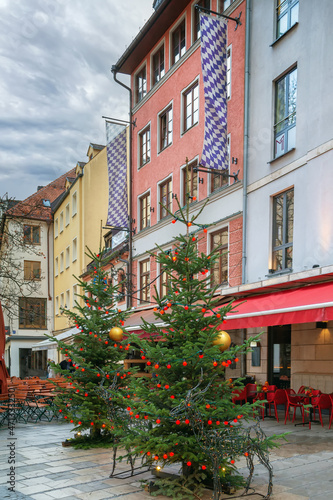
point(55, 83)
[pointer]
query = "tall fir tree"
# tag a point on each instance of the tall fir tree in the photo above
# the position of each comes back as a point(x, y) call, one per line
point(187, 349)
point(97, 354)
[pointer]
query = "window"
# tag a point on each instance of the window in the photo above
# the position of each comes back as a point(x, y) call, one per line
point(285, 113)
point(74, 204)
point(56, 266)
point(165, 197)
point(67, 215)
point(61, 221)
point(228, 72)
point(67, 257)
point(121, 285)
point(144, 280)
point(145, 211)
point(75, 298)
point(32, 313)
point(57, 305)
point(164, 282)
point(62, 302)
point(286, 15)
point(56, 228)
point(32, 270)
point(165, 128)
point(144, 145)
point(74, 251)
point(216, 180)
point(62, 262)
point(219, 271)
point(31, 234)
point(196, 24)
point(158, 65)
point(224, 4)
point(67, 303)
point(190, 183)
point(191, 106)
point(140, 84)
point(178, 42)
point(283, 225)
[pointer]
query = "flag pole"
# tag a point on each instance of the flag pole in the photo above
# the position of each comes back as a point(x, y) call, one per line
point(208, 11)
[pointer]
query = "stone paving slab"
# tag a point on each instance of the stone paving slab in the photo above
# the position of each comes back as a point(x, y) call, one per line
point(303, 467)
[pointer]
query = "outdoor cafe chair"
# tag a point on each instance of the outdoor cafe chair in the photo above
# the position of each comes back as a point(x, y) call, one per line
point(279, 398)
point(331, 398)
point(239, 395)
point(323, 402)
point(293, 402)
point(251, 391)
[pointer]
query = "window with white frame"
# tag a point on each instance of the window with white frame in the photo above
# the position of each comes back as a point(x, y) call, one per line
point(158, 65)
point(229, 72)
point(67, 215)
point(62, 301)
point(190, 106)
point(74, 250)
point(56, 266)
point(67, 300)
point(140, 84)
point(178, 42)
point(196, 18)
point(61, 221)
point(144, 146)
point(190, 182)
point(74, 204)
point(56, 228)
point(144, 210)
point(57, 305)
point(165, 197)
point(75, 298)
point(144, 280)
point(165, 128)
point(67, 257)
point(286, 15)
point(62, 262)
point(224, 4)
point(285, 113)
point(219, 271)
point(164, 282)
point(283, 228)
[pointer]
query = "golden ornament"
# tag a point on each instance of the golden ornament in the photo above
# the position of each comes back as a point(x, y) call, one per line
point(116, 334)
point(223, 340)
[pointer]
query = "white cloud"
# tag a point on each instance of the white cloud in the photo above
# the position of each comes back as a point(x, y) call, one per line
point(56, 83)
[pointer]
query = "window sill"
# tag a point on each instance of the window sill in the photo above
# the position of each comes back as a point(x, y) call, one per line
point(274, 274)
point(165, 147)
point(284, 34)
point(144, 164)
point(281, 156)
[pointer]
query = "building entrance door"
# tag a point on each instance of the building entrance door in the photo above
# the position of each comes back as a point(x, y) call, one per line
point(279, 359)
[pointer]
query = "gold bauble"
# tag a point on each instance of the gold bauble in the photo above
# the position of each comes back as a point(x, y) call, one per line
point(223, 340)
point(116, 334)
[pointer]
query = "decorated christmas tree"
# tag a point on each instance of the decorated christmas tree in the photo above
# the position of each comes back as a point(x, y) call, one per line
point(186, 357)
point(95, 358)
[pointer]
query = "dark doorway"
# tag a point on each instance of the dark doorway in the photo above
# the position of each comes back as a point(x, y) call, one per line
point(25, 362)
point(279, 359)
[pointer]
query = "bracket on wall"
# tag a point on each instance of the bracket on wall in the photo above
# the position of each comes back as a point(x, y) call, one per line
point(216, 172)
point(116, 121)
point(208, 11)
point(119, 228)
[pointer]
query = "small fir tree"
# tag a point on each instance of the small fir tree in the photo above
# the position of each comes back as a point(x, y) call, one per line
point(96, 354)
point(186, 349)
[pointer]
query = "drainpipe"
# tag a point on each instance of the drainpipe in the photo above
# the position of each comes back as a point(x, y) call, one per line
point(246, 147)
point(246, 134)
point(114, 71)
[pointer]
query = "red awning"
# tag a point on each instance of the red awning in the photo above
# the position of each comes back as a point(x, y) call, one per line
point(306, 304)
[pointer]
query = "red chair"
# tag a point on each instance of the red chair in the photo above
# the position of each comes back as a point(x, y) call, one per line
point(331, 398)
point(323, 402)
point(279, 398)
point(251, 391)
point(293, 402)
point(239, 395)
point(301, 390)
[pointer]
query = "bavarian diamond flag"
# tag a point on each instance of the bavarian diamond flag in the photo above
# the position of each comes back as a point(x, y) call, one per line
point(214, 68)
point(117, 169)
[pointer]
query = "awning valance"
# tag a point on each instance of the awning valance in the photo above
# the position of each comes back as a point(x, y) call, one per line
point(310, 303)
point(52, 343)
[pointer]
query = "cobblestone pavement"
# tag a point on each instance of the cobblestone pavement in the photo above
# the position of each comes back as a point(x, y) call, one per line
point(45, 470)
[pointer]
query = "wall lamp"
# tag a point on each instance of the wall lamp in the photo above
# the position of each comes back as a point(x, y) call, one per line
point(321, 324)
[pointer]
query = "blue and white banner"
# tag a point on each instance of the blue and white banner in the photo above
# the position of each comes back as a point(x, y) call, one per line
point(117, 169)
point(214, 68)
